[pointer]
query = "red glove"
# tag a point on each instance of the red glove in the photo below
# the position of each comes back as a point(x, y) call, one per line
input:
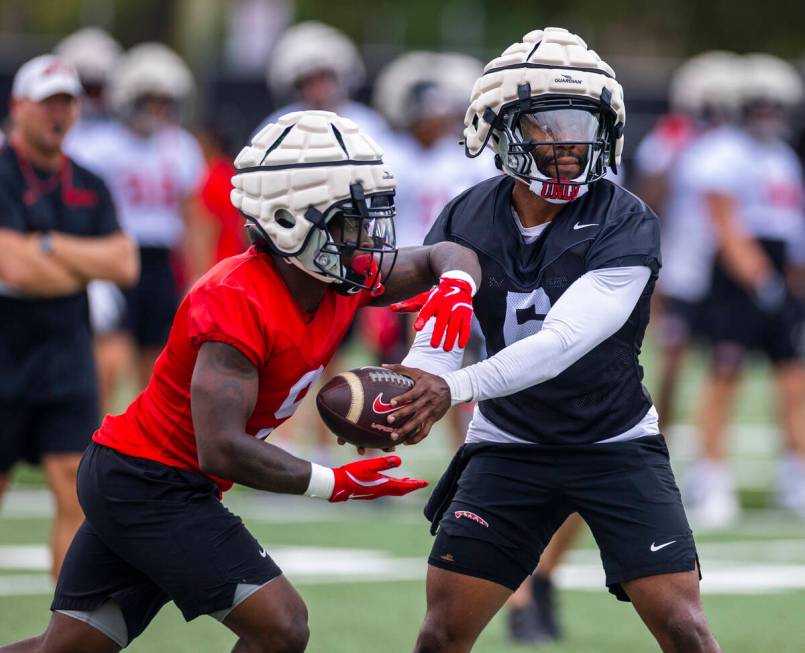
point(451, 303)
point(362, 480)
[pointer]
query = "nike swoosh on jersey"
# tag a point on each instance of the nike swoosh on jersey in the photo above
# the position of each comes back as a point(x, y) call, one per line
point(378, 481)
point(582, 226)
point(263, 553)
point(654, 548)
point(381, 407)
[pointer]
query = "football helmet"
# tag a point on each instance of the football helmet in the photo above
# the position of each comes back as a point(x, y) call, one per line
point(149, 69)
point(707, 86)
point(309, 47)
point(421, 84)
point(767, 78)
point(770, 87)
point(548, 106)
point(314, 190)
point(93, 53)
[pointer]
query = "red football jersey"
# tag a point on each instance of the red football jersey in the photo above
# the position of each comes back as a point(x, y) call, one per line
point(244, 303)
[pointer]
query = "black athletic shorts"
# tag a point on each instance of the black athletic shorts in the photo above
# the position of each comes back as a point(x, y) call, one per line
point(152, 303)
point(736, 325)
point(30, 430)
point(509, 500)
point(152, 534)
point(680, 322)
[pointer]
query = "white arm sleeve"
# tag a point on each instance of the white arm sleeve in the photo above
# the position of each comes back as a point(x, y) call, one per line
point(434, 361)
point(593, 308)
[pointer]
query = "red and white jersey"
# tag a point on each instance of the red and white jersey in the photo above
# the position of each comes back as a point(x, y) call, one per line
point(242, 302)
point(762, 176)
point(149, 178)
point(427, 179)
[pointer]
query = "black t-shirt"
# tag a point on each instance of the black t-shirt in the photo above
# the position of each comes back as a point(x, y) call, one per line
point(45, 344)
point(601, 395)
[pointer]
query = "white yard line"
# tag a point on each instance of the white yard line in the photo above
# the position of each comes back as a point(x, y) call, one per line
point(321, 565)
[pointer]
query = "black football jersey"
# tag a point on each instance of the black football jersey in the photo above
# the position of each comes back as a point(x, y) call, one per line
point(45, 343)
point(601, 395)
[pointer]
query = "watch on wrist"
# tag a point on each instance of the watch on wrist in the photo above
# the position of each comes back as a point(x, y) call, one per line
point(46, 243)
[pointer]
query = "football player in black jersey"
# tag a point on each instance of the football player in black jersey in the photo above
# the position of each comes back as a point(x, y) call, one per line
point(563, 422)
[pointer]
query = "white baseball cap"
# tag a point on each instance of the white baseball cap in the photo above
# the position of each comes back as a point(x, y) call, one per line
point(44, 76)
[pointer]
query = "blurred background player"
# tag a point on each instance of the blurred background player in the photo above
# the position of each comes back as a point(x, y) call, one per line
point(57, 232)
point(423, 96)
point(153, 168)
point(95, 54)
point(751, 183)
point(316, 66)
point(703, 96)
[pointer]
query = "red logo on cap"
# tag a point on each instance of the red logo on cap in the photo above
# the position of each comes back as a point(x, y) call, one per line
point(56, 66)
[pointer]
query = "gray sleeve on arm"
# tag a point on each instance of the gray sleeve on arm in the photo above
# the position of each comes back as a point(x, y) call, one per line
point(592, 309)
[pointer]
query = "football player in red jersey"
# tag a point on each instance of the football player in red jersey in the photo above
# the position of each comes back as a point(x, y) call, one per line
point(246, 344)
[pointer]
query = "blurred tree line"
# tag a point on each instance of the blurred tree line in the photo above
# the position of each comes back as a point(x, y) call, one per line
point(672, 28)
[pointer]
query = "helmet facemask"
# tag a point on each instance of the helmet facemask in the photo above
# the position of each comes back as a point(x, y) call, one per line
point(349, 243)
point(556, 145)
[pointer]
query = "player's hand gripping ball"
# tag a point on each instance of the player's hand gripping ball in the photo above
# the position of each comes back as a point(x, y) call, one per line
point(355, 405)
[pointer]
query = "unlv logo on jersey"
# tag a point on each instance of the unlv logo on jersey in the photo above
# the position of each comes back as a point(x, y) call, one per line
point(555, 191)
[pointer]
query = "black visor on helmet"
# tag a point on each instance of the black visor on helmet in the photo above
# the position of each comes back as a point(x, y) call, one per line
point(569, 140)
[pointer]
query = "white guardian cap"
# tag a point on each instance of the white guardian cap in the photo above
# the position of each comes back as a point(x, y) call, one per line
point(708, 86)
point(93, 52)
point(420, 84)
point(770, 79)
point(149, 69)
point(550, 108)
point(314, 190)
point(309, 47)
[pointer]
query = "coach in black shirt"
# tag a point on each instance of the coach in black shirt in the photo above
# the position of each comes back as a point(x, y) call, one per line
point(58, 230)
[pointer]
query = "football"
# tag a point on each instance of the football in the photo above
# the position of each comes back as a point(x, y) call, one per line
point(355, 404)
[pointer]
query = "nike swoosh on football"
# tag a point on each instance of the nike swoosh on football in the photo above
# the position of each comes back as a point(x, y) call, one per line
point(582, 226)
point(381, 407)
point(654, 548)
point(378, 481)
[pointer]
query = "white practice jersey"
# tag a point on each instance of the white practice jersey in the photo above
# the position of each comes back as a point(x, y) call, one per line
point(81, 136)
point(149, 178)
point(427, 179)
point(669, 150)
point(688, 240)
point(764, 178)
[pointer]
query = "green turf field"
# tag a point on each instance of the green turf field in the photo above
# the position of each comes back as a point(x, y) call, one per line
point(360, 567)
